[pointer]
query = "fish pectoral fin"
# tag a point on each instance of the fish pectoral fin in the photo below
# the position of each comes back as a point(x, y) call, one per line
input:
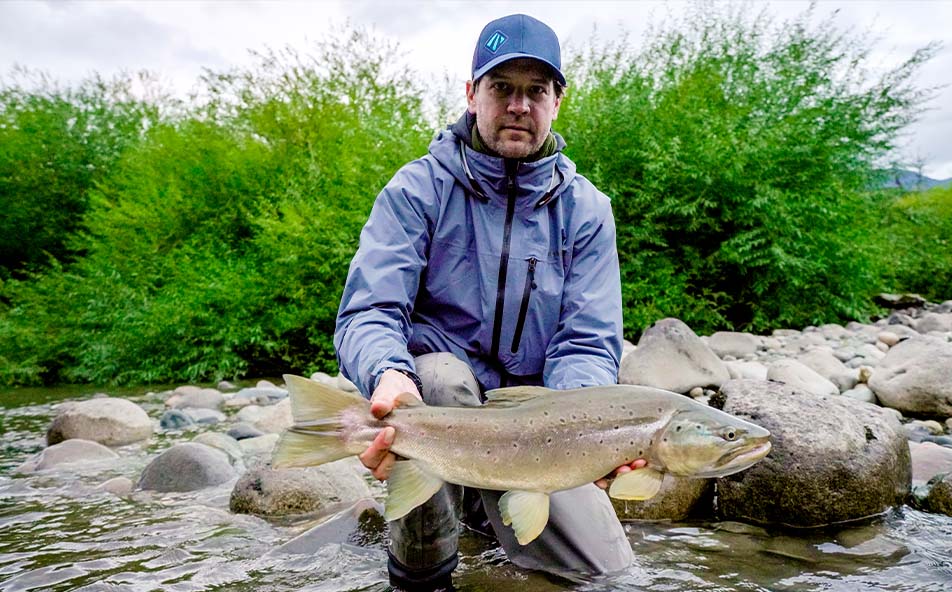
point(410, 484)
point(526, 511)
point(640, 484)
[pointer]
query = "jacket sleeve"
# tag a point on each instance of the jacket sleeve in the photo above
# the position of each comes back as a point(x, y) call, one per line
point(373, 322)
point(586, 348)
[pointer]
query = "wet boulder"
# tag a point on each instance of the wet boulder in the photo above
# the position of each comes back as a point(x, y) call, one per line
point(204, 415)
point(828, 366)
point(176, 419)
point(915, 377)
point(939, 496)
point(679, 498)
point(362, 524)
point(833, 459)
point(222, 442)
point(118, 486)
point(243, 431)
point(672, 357)
point(273, 419)
point(931, 321)
point(107, 420)
point(258, 395)
point(310, 491)
point(186, 467)
point(68, 452)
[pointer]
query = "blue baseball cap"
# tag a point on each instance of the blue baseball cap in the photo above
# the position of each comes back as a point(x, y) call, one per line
point(517, 36)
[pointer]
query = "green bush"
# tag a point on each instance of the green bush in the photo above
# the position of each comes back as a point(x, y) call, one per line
point(55, 144)
point(738, 155)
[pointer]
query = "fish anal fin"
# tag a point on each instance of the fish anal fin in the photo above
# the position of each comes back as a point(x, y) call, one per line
point(640, 484)
point(526, 511)
point(410, 484)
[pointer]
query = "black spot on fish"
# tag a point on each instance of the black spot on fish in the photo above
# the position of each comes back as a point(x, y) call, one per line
point(568, 453)
point(599, 417)
point(545, 413)
point(574, 417)
point(660, 410)
point(537, 459)
point(580, 434)
point(616, 427)
point(515, 445)
point(488, 452)
point(548, 440)
point(677, 429)
point(561, 420)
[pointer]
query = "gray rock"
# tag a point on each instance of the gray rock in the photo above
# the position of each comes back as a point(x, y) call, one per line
point(939, 499)
point(754, 370)
point(205, 416)
point(915, 377)
point(225, 386)
point(944, 308)
point(242, 431)
point(276, 418)
point(785, 333)
point(69, 452)
point(205, 398)
point(890, 338)
point(176, 419)
point(672, 357)
point(931, 321)
point(119, 486)
point(186, 467)
point(833, 459)
point(109, 421)
point(834, 332)
point(863, 393)
point(829, 367)
point(929, 460)
point(901, 300)
point(360, 525)
point(310, 491)
point(732, 343)
point(262, 396)
point(222, 442)
point(800, 376)
point(900, 319)
point(678, 499)
point(260, 447)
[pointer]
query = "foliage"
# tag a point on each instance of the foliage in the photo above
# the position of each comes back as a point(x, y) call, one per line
point(55, 144)
point(211, 241)
point(738, 154)
point(916, 236)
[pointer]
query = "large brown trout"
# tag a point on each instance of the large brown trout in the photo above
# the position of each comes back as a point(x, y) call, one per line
point(526, 441)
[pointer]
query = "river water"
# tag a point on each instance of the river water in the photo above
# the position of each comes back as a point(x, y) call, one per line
point(58, 533)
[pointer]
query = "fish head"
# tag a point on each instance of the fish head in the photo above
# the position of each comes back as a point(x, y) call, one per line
point(705, 442)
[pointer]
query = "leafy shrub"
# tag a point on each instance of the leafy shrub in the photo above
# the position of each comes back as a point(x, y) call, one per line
point(738, 154)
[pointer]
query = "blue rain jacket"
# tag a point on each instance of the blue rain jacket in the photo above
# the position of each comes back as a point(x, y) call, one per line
point(510, 266)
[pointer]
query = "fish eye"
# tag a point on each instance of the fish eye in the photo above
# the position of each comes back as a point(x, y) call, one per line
point(730, 436)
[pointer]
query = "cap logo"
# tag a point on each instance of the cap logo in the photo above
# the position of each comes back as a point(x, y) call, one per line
point(495, 41)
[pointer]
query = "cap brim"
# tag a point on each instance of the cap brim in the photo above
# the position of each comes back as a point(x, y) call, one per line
point(515, 56)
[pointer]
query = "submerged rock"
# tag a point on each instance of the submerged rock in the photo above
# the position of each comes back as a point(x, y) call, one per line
point(202, 398)
point(222, 442)
point(361, 524)
point(243, 431)
point(833, 459)
point(107, 420)
point(186, 467)
point(264, 491)
point(119, 486)
point(672, 357)
point(69, 452)
point(939, 498)
point(678, 499)
point(176, 419)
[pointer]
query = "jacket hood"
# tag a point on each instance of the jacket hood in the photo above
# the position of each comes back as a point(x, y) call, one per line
point(538, 182)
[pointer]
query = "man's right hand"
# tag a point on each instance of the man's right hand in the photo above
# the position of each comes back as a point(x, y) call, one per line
point(391, 385)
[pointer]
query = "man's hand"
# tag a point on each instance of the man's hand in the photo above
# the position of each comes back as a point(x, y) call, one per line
point(604, 482)
point(378, 457)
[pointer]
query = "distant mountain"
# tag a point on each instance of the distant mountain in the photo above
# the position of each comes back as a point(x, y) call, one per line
point(913, 181)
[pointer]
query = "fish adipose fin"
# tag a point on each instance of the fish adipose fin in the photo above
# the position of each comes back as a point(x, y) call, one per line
point(410, 484)
point(640, 484)
point(314, 439)
point(526, 511)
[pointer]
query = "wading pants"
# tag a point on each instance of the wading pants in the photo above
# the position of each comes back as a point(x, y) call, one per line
point(583, 535)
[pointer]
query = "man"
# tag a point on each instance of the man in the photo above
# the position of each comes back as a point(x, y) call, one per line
point(489, 263)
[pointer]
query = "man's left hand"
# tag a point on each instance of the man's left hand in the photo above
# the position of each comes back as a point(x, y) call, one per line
point(604, 482)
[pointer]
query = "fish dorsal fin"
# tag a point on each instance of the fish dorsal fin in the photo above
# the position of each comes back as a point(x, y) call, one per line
point(514, 395)
point(640, 484)
point(410, 484)
point(408, 400)
point(526, 511)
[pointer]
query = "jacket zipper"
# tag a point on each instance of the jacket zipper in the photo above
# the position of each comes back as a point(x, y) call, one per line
point(524, 308)
point(511, 167)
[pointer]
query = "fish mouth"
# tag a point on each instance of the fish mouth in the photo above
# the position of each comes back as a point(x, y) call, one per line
point(739, 459)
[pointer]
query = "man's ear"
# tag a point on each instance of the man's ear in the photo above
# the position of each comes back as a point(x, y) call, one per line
point(558, 103)
point(471, 96)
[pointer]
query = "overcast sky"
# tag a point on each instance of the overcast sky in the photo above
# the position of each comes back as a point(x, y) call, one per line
point(177, 39)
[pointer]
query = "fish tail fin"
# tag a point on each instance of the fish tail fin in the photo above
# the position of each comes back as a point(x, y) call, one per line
point(316, 436)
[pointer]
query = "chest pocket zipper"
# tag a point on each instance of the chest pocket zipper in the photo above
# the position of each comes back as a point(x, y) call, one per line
point(524, 307)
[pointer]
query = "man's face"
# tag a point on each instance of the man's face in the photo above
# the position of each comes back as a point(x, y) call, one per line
point(514, 105)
